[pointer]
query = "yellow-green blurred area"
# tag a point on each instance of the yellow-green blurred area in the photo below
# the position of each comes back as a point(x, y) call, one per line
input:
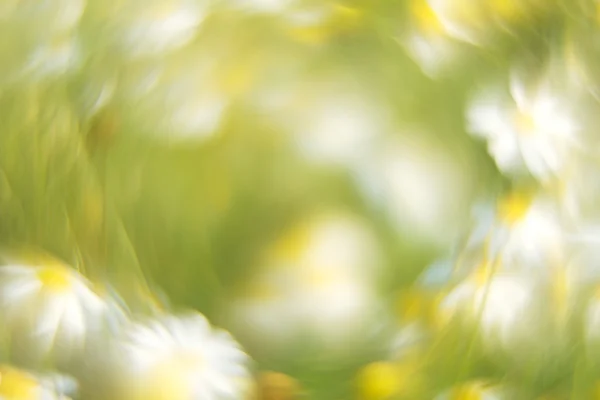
point(188, 152)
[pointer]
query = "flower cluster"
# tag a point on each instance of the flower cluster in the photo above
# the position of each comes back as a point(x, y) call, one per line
point(320, 154)
point(54, 318)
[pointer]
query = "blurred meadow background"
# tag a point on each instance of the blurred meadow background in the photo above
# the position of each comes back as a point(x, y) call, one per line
point(377, 199)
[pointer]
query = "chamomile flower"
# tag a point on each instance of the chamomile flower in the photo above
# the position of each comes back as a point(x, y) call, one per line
point(179, 357)
point(522, 230)
point(464, 20)
point(18, 384)
point(315, 281)
point(427, 42)
point(505, 307)
point(49, 311)
point(383, 380)
point(533, 130)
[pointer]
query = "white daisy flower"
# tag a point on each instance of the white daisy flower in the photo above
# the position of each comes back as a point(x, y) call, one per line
point(156, 27)
point(521, 230)
point(180, 358)
point(427, 42)
point(18, 384)
point(505, 306)
point(315, 281)
point(49, 311)
point(532, 131)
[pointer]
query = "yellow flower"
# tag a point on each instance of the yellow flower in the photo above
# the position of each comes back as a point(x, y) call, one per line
point(17, 385)
point(426, 18)
point(381, 380)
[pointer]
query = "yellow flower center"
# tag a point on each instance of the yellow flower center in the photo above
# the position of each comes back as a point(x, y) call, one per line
point(17, 385)
point(380, 381)
point(55, 278)
point(426, 18)
point(292, 245)
point(514, 207)
point(525, 122)
point(320, 277)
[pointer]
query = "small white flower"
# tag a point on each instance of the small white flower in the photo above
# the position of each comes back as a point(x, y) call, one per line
point(315, 281)
point(505, 306)
point(49, 311)
point(521, 231)
point(157, 27)
point(533, 131)
point(427, 41)
point(180, 358)
point(18, 384)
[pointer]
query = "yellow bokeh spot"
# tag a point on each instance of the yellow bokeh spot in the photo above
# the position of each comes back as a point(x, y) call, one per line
point(238, 79)
point(311, 34)
point(514, 207)
point(17, 385)
point(292, 245)
point(440, 315)
point(55, 278)
point(381, 381)
point(596, 391)
point(345, 18)
point(482, 274)
point(425, 17)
